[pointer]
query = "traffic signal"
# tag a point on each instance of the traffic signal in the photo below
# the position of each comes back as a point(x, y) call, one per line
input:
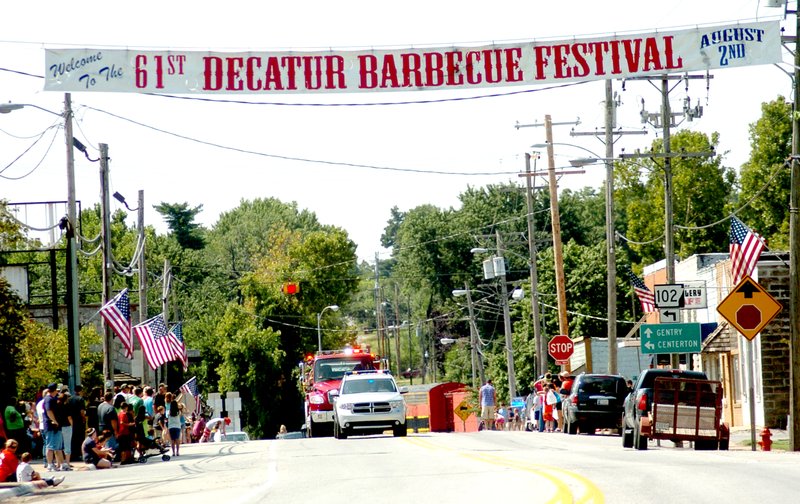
point(291, 288)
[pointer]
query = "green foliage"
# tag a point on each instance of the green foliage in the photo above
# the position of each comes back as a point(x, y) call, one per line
point(180, 220)
point(12, 330)
point(764, 178)
point(251, 364)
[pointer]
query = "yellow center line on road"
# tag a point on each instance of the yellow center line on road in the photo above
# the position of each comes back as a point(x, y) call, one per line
point(564, 494)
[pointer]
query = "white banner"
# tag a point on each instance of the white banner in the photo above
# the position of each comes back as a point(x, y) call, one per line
point(331, 71)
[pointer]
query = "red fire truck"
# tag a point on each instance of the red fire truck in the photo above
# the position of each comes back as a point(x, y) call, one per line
point(323, 372)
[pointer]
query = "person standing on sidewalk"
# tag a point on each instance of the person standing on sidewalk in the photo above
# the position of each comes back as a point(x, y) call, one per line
point(488, 397)
point(53, 441)
point(64, 418)
point(77, 411)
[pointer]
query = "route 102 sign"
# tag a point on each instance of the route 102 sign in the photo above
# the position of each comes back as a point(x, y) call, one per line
point(669, 296)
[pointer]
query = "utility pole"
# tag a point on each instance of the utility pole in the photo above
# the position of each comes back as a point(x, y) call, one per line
point(538, 341)
point(378, 308)
point(108, 361)
point(611, 261)
point(794, 259)
point(142, 282)
point(73, 315)
point(474, 337)
point(167, 280)
point(396, 327)
point(512, 379)
point(558, 255)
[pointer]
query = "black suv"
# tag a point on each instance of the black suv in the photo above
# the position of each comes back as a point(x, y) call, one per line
point(595, 402)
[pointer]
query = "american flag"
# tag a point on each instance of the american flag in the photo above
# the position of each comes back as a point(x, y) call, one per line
point(643, 293)
point(190, 388)
point(746, 247)
point(178, 344)
point(153, 337)
point(117, 313)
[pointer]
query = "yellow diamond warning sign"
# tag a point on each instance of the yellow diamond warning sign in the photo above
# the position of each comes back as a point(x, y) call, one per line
point(749, 307)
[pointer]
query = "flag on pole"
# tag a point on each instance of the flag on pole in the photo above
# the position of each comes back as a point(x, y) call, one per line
point(644, 294)
point(117, 313)
point(746, 247)
point(190, 388)
point(153, 337)
point(178, 344)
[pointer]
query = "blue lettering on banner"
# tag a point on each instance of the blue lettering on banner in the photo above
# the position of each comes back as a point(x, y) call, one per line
point(731, 43)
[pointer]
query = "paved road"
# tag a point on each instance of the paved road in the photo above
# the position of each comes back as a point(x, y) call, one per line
point(442, 468)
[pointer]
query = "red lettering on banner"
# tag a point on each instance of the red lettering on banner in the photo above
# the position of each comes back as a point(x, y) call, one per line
point(472, 58)
point(492, 60)
point(212, 71)
point(599, 49)
point(272, 77)
point(651, 56)
point(582, 67)
point(615, 68)
point(542, 53)
point(334, 67)
point(668, 54)
point(632, 53)
point(234, 78)
point(253, 63)
point(513, 56)
point(454, 75)
point(560, 53)
point(434, 74)
point(411, 66)
point(310, 73)
point(389, 72)
point(367, 69)
point(290, 63)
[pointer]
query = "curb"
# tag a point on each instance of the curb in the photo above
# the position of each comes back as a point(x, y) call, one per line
point(17, 491)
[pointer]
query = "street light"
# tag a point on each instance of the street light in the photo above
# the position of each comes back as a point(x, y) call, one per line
point(73, 329)
point(477, 358)
point(319, 318)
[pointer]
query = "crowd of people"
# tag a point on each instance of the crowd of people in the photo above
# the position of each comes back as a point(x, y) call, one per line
point(542, 406)
point(102, 430)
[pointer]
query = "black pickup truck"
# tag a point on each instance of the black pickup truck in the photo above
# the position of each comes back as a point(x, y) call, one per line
point(676, 405)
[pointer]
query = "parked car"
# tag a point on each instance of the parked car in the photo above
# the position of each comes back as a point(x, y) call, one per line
point(595, 402)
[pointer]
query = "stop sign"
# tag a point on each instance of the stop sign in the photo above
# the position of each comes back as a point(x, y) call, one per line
point(560, 347)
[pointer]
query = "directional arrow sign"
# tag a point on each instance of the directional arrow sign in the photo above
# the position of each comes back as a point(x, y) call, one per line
point(749, 308)
point(669, 315)
point(670, 338)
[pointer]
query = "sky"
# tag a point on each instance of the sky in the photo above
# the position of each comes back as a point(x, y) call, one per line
point(217, 154)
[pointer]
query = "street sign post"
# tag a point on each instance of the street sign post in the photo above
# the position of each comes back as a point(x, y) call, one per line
point(669, 296)
point(560, 348)
point(749, 308)
point(669, 315)
point(670, 338)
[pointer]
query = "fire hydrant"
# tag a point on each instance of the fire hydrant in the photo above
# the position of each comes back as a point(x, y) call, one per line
point(766, 440)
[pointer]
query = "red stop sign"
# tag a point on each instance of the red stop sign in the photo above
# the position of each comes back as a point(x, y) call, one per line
point(560, 347)
point(748, 317)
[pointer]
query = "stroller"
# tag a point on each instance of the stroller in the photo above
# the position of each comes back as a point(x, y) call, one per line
point(147, 446)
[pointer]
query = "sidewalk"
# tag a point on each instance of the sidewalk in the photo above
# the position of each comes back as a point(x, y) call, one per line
point(741, 437)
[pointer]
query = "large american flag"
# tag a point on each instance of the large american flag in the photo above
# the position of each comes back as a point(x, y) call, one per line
point(178, 344)
point(117, 313)
point(190, 388)
point(644, 294)
point(153, 337)
point(746, 247)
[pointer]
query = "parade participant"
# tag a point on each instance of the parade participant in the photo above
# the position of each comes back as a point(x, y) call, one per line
point(218, 422)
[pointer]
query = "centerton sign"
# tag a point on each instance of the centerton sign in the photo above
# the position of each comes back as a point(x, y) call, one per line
point(451, 67)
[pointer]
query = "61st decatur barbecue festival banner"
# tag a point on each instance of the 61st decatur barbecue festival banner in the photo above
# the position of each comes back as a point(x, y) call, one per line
point(331, 71)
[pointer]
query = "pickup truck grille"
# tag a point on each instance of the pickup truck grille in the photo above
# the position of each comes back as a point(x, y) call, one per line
point(372, 407)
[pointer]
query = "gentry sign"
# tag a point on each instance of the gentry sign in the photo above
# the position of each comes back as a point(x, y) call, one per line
point(452, 67)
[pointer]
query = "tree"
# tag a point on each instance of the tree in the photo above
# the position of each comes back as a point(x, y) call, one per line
point(12, 330)
point(765, 182)
point(180, 220)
